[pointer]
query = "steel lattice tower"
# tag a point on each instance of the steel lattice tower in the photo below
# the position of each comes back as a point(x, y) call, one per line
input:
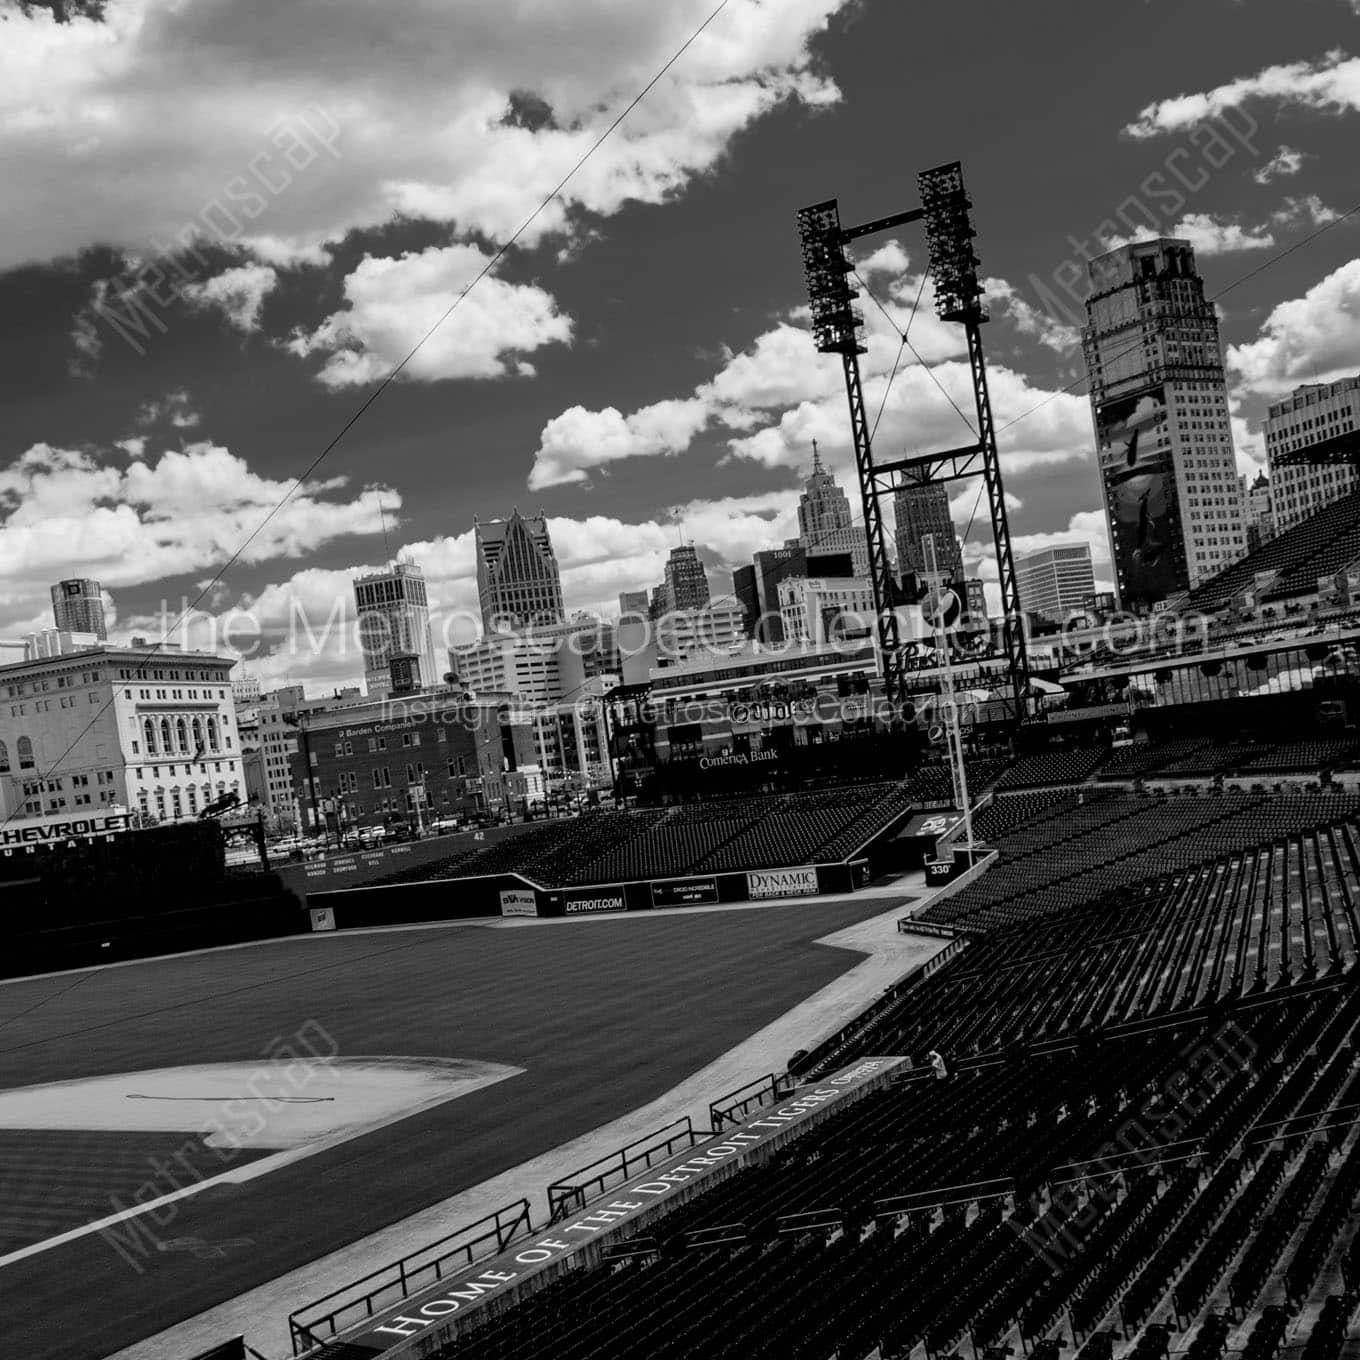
point(836, 327)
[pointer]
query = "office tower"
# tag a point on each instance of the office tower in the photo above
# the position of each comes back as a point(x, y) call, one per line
point(825, 522)
point(1154, 361)
point(78, 607)
point(686, 584)
point(394, 618)
point(922, 510)
point(518, 582)
point(1314, 414)
point(756, 588)
point(1056, 582)
point(633, 602)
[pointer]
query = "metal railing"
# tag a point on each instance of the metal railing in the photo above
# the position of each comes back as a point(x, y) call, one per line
point(581, 1186)
point(321, 1320)
point(735, 1105)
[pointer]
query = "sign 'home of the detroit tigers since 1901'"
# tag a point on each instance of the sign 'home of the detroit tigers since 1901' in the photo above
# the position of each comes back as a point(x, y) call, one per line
point(419, 1315)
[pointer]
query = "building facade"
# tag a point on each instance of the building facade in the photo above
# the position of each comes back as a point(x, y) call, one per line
point(1312, 415)
point(975, 600)
point(1056, 582)
point(413, 760)
point(718, 628)
point(518, 582)
point(394, 618)
point(821, 609)
point(825, 521)
point(78, 607)
point(686, 581)
point(1174, 508)
point(151, 730)
point(922, 510)
point(245, 689)
point(540, 665)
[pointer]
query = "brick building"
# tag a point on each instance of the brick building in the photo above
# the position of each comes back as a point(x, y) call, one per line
point(413, 760)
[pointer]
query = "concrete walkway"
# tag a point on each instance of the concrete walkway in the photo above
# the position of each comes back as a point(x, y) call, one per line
point(261, 1315)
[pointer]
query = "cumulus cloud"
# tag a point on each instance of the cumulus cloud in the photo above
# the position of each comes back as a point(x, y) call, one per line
point(237, 293)
point(295, 124)
point(1285, 163)
point(1086, 526)
point(130, 520)
point(302, 628)
point(1209, 235)
point(777, 395)
point(392, 303)
point(580, 441)
point(1329, 84)
point(1308, 211)
point(1314, 338)
point(175, 407)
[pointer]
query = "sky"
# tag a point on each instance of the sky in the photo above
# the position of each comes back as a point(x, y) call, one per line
point(226, 222)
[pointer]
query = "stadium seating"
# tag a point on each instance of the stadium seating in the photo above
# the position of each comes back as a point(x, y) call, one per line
point(1133, 1217)
point(716, 836)
point(1323, 543)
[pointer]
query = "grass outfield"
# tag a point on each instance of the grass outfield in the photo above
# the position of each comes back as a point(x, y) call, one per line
point(603, 1015)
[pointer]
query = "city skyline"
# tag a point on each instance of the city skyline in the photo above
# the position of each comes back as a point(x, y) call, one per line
point(148, 470)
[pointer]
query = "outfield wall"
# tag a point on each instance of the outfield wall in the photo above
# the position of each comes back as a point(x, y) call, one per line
point(515, 895)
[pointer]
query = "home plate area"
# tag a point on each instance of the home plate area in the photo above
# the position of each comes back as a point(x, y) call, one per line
point(98, 1154)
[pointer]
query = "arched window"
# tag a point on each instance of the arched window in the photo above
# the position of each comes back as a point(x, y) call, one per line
point(149, 736)
point(4, 758)
point(198, 735)
point(166, 745)
point(24, 747)
point(212, 733)
point(182, 734)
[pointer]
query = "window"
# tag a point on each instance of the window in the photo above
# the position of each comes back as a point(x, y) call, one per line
point(24, 748)
point(4, 758)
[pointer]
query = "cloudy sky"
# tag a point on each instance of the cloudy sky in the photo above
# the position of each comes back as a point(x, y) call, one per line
point(227, 221)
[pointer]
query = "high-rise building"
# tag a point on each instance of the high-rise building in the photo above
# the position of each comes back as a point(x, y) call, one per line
point(633, 602)
point(825, 523)
point(518, 582)
point(923, 510)
point(394, 618)
point(757, 589)
point(686, 583)
point(1154, 361)
point(78, 607)
point(1056, 582)
point(1313, 414)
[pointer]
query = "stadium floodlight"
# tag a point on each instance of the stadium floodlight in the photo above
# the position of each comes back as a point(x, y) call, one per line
point(949, 239)
point(835, 323)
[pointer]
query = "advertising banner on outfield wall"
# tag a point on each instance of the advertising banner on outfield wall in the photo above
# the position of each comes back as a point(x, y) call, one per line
point(580, 903)
point(782, 882)
point(684, 892)
point(518, 902)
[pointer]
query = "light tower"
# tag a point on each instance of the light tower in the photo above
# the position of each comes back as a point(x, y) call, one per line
point(836, 326)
